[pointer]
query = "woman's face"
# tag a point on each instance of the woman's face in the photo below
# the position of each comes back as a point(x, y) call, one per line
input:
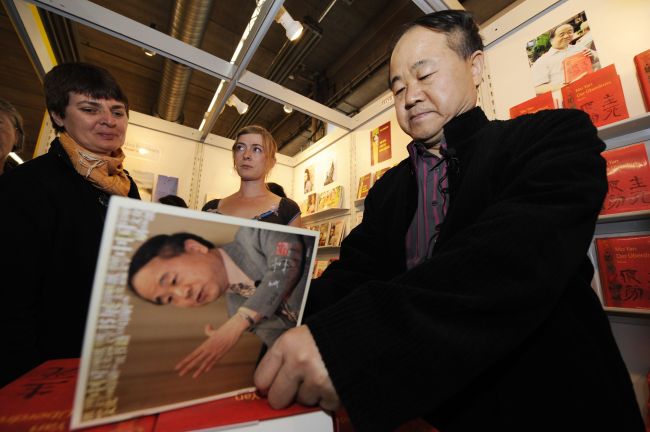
point(250, 157)
point(8, 135)
point(98, 125)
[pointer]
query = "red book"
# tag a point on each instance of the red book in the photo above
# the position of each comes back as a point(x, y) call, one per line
point(642, 64)
point(243, 409)
point(624, 267)
point(599, 94)
point(538, 103)
point(41, 400)
point(628, 177)
point(576, 67)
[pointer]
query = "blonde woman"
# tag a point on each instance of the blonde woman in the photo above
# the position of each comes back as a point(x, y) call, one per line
point(254, 157)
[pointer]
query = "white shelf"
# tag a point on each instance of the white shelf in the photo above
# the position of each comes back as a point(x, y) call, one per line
point(325, 214)
point(328, 249)
point(620, 217)
point(359, 202)
point(627, 311)
point(625, 132)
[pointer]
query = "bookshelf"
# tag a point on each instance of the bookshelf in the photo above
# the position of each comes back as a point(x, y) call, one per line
point(325, 214)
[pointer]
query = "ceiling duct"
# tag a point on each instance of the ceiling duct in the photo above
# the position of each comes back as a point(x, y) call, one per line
point(188, 22)
point(284, 63)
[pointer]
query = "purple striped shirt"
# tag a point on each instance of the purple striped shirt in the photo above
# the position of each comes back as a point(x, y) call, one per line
point(431, 171)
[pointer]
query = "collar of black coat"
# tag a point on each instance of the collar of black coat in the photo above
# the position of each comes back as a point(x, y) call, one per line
point(464, 126)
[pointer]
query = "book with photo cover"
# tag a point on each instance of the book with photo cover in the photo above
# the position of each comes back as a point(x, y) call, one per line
point(624, 269)
point(364, 185)
point(331, 198)
point(167, 280)
point(628, 178)
point(337, 232)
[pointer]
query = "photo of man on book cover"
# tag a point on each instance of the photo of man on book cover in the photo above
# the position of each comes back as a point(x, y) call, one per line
point(183, 303)
point(562, 54)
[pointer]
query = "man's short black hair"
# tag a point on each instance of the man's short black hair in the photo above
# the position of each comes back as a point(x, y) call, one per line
point(82, 78)
point(164, 246)
point(462, 32)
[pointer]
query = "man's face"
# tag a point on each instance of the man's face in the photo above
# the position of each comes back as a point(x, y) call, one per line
point(188, 280)
point(98, 125)
point(563, 36)
point(431, 83)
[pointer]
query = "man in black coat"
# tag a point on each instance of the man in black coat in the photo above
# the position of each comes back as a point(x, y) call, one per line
point(463, 298)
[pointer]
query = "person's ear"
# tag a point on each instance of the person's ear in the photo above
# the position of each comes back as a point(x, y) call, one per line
point(192, 245)
point(57, 119)
point(477, 64)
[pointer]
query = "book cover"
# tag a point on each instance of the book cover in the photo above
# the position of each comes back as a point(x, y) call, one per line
point(628, 178)
point(337, 231)
point(624, 268)
point(576, 66)
point(165, 185)
point(331, 198)
point(174, 292)
point(41, 400)
point(538, 103)
point(599, 94)
point(642, 65)
point(320, 267)
point(364, 186)
point(324, 230)
point(379, 173)
point(380, 144)
point(246, 409)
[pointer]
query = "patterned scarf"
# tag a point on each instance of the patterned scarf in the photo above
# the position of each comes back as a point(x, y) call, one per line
point(104, 172)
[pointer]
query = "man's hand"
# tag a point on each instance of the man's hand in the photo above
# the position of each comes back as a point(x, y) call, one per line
point(294, 370)
point(219, 342)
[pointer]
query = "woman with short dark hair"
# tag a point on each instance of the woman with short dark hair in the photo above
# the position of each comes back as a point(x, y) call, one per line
point(54, 206)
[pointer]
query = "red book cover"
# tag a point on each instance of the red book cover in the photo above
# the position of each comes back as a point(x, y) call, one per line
point(246, 408)
point(599, 94)
point(576, 67)
point(642, 64)
point(41, 400)
point(628, 177)
point(538, 103)
point(624, 267)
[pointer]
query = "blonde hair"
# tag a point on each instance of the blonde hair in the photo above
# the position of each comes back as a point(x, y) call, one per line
point(268, 142)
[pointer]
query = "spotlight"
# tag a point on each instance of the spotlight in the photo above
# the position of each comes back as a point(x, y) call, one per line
point(292, 27)
point(234, 101)
point(287, 109)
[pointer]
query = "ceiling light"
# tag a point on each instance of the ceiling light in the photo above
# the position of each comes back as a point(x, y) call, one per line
point(149, 52)
point(287, 109)
point(234, 101)
point(293, 27)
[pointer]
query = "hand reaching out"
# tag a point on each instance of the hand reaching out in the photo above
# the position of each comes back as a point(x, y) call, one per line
point(293, 369)
point(219, 342)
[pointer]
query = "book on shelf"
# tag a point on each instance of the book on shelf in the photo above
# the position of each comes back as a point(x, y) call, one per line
point(599, 94)
point(538, 103)
point(41, 400)
point(320, 267)
point(336, 232)
point(142, 332)
point(628, 178)
point(642, 65)
point(331, 198)
point(324, 230)
point(576, 66)
point(379, 173)
point(624, 270)
point(364, 186)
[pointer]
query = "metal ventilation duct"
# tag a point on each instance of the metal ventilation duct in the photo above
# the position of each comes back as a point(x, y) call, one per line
point(188, 22)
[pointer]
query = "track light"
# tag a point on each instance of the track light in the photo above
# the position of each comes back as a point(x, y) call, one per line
point(16, 158)
point(293, 27)
point(288, 109)
point(234, 101)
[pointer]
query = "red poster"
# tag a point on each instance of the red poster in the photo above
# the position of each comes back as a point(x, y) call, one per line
point(380, 147)
point(628, 176)
point(624, 267)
